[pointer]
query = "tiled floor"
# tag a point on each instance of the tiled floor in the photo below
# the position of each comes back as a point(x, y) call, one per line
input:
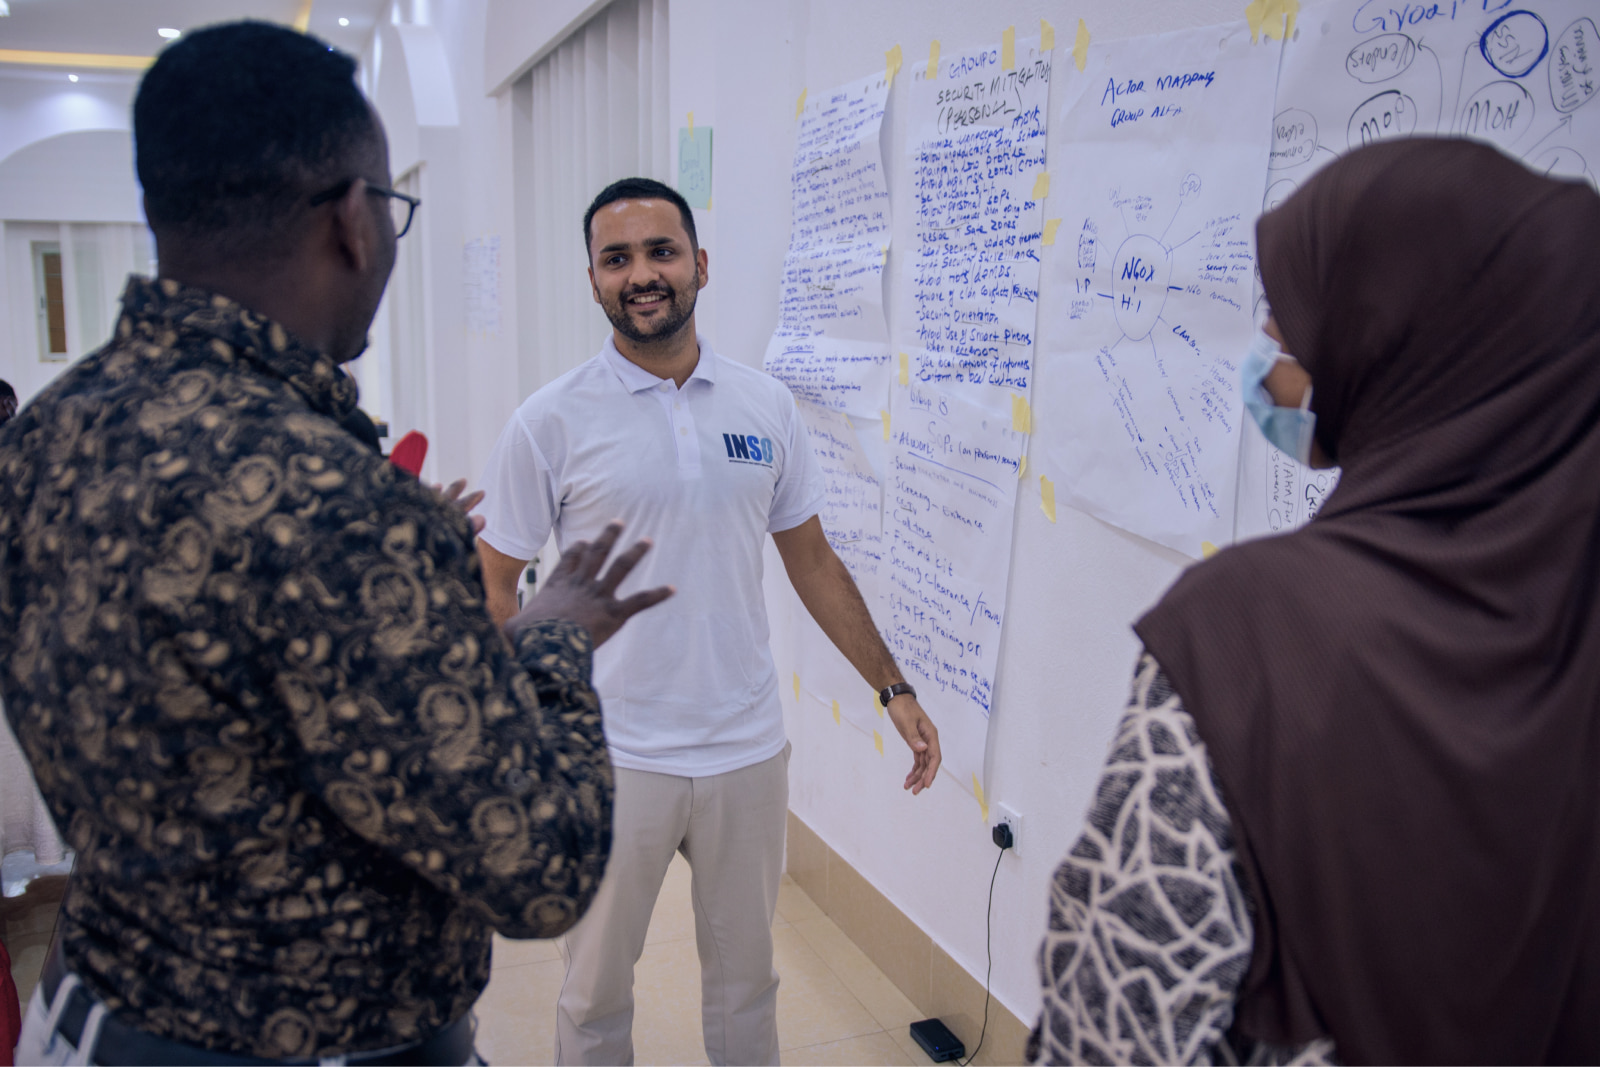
point(834, 1006)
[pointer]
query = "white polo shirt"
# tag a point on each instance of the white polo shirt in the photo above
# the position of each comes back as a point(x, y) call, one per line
point(706, 472)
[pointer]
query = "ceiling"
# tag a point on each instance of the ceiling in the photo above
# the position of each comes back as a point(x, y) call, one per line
point(128, 27)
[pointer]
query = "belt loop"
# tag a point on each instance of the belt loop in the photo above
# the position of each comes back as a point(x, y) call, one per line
point(69, 982)
point(90, 1036)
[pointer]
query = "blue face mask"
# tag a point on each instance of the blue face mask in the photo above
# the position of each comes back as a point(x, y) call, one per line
point(1289, 429)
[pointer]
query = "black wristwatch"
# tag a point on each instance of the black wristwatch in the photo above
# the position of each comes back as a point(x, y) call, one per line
point(888, 693)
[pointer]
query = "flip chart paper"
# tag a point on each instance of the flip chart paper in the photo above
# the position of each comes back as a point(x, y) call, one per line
point(831, 344)
point(1522, 77)
point(949, 500)
point(977, 146)
point(1152, 272)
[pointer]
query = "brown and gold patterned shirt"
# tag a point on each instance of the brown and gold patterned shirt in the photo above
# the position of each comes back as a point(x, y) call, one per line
point(250, 663)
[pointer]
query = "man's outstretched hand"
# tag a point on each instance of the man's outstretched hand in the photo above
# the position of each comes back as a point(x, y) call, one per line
point(575, 591)
point(922, 737)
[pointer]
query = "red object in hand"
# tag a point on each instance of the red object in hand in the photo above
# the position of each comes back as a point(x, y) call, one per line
point(409, 453)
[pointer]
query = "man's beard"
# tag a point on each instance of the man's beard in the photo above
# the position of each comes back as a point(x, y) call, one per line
point(679, 309)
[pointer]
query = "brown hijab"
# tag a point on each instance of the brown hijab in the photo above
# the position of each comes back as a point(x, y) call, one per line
point(1402, 699)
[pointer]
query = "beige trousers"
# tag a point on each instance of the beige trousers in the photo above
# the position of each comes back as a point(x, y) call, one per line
point(730, 827)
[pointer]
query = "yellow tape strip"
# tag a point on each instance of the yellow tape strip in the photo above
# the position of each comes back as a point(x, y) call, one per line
point(977, 791)
point(1050, 228)
point(905, 369)
point(891, 64)
point(1080, 47)
point(1041, 185)
point(800, 104)
point(1047, 37)
point(933, 59)
point(1047, 497)
point(877, 741)
point(1008, 49)
point(1021, 415)
point(885, 415)
point(835, 711)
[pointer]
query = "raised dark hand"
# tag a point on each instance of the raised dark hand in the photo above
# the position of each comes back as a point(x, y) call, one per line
point(575, 591)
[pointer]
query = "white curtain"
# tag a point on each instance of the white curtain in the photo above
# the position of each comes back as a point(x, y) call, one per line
point(592, 111)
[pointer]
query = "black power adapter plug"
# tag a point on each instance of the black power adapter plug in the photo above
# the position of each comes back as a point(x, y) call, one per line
point(1002, 836)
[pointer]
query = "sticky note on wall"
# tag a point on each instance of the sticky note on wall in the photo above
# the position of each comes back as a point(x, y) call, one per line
point(694, 166)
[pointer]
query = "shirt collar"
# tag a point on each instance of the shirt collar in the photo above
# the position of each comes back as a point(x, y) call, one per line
point(636, 379)
point(323, 383)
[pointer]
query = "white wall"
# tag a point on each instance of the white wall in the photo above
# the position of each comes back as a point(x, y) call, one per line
point(740, 66)
point(66, 155)
point(1077, 584)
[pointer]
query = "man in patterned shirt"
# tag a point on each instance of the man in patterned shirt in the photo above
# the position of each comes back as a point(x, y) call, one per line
point(305, 775)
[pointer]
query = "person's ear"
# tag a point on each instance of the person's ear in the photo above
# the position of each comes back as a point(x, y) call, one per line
point(355, 228)
point(593, 288)
point(703, 262)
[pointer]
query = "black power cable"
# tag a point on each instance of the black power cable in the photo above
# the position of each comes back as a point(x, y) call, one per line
point(1003, 839)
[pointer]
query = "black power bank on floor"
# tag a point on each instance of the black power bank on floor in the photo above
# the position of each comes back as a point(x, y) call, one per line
point(937, 1040)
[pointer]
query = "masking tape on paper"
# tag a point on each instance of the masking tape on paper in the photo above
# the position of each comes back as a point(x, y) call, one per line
point(877, 741)
point(797, 686)
point(933, 59)
point(1207, 550)
point(691, 124)
point(1050, 228)
point(1008, 49)
point(1022, 467)
point(836, 711)
point(1273, 19)
point(891, 64)
point(800, 105)
point(1021, 414)
point(1047, 37)
point(1080, 47)
point(1041, 185)
point(885, 415)
point(977, 791)
point(905, 369)
point(1047, 498)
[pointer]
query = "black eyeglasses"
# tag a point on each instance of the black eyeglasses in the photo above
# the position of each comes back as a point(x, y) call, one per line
point(402, 207)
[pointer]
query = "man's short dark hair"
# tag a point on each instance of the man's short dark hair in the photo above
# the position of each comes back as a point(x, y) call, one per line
point(6, 392)
point(639, 189)
point(237, 125)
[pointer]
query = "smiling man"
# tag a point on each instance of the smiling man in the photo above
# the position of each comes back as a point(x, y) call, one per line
point(705, 456)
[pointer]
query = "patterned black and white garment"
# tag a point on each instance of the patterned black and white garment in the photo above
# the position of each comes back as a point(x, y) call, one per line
point(1150, 922)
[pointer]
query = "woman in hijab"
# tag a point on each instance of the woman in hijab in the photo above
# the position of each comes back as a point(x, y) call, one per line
point(1353, 810)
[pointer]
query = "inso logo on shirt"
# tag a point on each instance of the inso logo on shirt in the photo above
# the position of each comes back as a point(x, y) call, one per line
point(748, 448)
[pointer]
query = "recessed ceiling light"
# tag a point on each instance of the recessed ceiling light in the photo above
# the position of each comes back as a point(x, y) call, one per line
point(169, 33)
point(72, 77)
point(344, 22)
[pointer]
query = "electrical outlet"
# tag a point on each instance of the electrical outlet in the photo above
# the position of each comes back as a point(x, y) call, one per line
point(1009, 817)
